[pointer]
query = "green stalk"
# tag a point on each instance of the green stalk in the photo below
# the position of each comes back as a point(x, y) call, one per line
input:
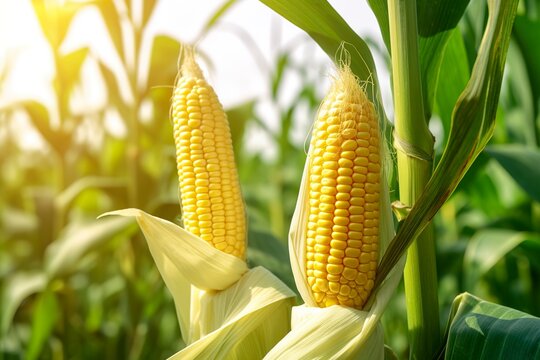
point(414, 145)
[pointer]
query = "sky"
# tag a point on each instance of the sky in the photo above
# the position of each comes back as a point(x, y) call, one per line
point(237, 75)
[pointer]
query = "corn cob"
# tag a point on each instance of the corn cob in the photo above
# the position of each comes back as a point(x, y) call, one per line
point(212, 206)
point(344, 177)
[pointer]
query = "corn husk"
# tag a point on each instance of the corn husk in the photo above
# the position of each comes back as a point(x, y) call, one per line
point(222, 307)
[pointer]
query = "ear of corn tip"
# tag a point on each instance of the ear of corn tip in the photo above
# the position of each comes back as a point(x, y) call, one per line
point(341, 239)
point(212, 205)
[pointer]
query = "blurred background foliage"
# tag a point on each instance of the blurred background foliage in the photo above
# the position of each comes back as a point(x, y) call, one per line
point(74, 287)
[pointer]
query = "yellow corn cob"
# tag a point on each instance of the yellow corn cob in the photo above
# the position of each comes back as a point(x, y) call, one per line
point(344, 177)
point(212, 206)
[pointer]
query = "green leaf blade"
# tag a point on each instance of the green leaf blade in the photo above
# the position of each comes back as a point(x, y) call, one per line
point(483, 330)
point(522, 163)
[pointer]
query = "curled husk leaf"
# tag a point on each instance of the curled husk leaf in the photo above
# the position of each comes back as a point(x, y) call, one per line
point(222, 306)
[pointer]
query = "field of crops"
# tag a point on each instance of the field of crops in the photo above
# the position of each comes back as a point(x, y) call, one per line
point(459, 164)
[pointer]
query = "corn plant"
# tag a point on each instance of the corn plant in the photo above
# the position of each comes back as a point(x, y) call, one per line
point(416, 35)
point(466, 211)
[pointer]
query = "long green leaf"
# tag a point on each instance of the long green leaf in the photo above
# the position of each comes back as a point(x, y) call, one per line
point(15, 290)
point(163, 62)
point(436, 19)
point(455, 74)
point(522, 163)
point(526, 33)
point(63, 256)
point(45, 316)
point(472, 125)
point(486, 248)
point(481, 330)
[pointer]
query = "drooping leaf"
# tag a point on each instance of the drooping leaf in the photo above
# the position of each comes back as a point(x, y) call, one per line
point(15, 290)
point(472, 125)
point(321, 21)
point(63, 256)
point(486, 248)
point(66, 197)
point(522, 163)
point(45, 315)
point(482, 330)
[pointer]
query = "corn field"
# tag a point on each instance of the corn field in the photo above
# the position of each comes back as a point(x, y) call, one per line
point(331, 215)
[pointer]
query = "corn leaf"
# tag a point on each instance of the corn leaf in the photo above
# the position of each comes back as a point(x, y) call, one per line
point(243, 321)
point(69, 70)
point(522, 163)
point(486, 248)
point(321, 21)
point(472, 126)
point(526, 32)
point(14, 291)
point(268, 251)
point(65, 198)
point(455, 67)
point(44, 318)
point(482, 330)
point(436, 19)
point(163, 62)
point(63, 256)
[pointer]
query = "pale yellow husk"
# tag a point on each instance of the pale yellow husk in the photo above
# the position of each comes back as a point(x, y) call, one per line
point(222, 307)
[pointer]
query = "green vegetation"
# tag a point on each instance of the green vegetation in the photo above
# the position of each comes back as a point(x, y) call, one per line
point(74, 287)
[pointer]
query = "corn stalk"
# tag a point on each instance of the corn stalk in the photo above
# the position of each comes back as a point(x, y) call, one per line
point(414, 146)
